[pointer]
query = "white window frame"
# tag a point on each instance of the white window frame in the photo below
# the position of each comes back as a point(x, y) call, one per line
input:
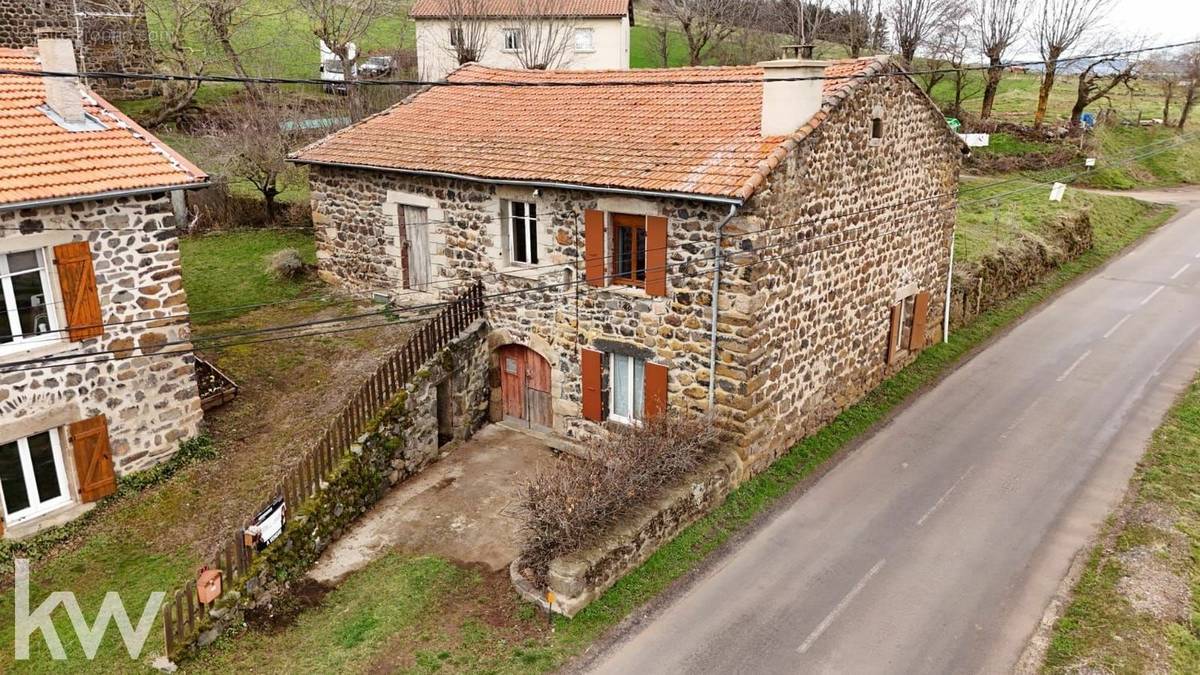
point(515, 35)
point(456, 36)
point(38, 508)
point(529, 232)
point(634, 418)
point(21, 343)
point(591, 40)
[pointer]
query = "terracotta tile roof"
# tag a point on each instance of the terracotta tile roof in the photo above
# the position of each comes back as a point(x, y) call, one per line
point(40, 160)
point(658, 135)
point(435, 9)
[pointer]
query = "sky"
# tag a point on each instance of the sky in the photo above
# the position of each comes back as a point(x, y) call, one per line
point(1164, 21)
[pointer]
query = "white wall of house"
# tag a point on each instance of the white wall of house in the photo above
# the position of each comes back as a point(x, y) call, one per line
point(436, 59)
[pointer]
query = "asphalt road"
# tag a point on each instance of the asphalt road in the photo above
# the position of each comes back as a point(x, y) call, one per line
point(938, 544)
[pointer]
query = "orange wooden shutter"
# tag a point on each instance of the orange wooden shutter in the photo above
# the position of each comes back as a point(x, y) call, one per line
point(916, 341)
point(656, 389)
point(593, 245)
point(656, 255)
point(93, 458)
point(894, 333)
point(591, 363)
point(77, 279)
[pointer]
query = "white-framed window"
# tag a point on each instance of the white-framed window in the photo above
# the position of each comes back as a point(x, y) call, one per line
point(512, 39)
point(627, 386)
point(26, 310)
point(522, 230)
point(456, 36)
point(585, 40)
point(33, 477)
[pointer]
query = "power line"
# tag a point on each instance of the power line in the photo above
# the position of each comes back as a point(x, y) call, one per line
point(236, 79)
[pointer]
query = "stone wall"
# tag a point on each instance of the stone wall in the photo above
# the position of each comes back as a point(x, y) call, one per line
point(845, 228)
point(108, 43)
point(980, 285)
point(149, 397)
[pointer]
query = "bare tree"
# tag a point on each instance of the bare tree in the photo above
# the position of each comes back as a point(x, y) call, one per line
point(175, 54)
point(998, 24)
point(1192, 72)
point(704, 23)
point(858, 30)
point(545, 37)
point(949, 48)
point(469, 32)
point(1060, 26)
point(1097, 79)
point(226, 21)
point(1166, 72)
point(340, 24)
point(915, 23)
point(805, 20)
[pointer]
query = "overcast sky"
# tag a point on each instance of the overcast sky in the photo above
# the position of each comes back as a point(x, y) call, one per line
point(1164, 20)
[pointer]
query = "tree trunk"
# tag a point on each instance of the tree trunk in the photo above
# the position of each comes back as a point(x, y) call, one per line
point(1044, 92)
point(992, 85)
point(1188, 100)
point(1081, 99)
point(235, 60)
point(1168, 93)
point(172, 105)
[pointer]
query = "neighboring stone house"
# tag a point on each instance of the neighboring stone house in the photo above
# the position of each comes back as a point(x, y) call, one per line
point(111, 35)
point(556, 34)
point(591, 206)
point(96, 379)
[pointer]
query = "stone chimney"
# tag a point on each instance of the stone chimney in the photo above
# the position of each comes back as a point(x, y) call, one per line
point(57, 52)
point(788, 101)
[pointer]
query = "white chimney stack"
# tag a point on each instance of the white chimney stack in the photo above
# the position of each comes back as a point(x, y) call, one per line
point(789, 101)
point(62, 93)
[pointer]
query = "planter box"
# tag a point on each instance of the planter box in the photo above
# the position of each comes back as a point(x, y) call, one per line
point(216, 388)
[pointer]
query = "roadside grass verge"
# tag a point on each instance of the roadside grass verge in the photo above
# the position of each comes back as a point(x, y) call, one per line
point(229, 269)
point(1174, 166)
point(511, 642)
point(1129, 611)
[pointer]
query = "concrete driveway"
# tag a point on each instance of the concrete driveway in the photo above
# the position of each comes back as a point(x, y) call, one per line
point(463, 508)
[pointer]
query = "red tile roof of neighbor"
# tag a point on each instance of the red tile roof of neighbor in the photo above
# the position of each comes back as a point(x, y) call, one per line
point(661, 136)
point(435, 9)
point(40, 160)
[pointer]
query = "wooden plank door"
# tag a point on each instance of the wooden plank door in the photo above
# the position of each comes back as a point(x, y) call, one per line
point(537, 383)
point(512, 381)
point(416, 230)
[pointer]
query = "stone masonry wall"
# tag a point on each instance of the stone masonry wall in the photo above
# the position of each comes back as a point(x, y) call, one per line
point(150, 398)
point(854, 226)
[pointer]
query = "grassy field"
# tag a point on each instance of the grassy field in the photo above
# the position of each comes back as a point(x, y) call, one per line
point(1136, 608)
point(229, 269)
point(501, 635)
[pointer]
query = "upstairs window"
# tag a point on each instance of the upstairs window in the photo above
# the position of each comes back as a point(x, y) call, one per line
point(629, 249)
point(585, 40)
point(25, 307)
point(522, 223)
point(456, 37)
point(512, 39)
point(876, 129)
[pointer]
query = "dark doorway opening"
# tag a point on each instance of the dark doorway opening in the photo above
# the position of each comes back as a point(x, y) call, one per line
point(445, 413)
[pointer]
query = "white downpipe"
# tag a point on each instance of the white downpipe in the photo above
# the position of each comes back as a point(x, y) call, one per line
point(949, 282)
point(716, 288)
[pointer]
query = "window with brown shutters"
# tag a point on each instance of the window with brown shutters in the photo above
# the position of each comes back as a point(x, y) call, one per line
point(656, 389)
point(656, 255)
point(916, 339)
point(593, 244)
point(591, 370)
point(77, 281)
point(93, 458)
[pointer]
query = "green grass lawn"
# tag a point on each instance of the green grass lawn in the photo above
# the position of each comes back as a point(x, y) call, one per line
point(229, 269)
point(1100, 628)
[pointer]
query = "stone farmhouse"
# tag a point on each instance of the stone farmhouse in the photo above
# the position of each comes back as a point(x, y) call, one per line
point(95, 381)
point(557, 34)
point(767, 242)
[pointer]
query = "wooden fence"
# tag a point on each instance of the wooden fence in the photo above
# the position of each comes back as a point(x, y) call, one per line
point(183, 612)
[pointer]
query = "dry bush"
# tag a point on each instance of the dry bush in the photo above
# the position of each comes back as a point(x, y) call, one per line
point(570, 505)
point(286, 264)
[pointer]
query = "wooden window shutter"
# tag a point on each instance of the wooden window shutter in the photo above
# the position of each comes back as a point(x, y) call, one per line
point(893, 349)
point(81, 301)
point(656, 255)
point(93, 458)
point(916, 341)
point(591, 365)
point(656, 389)
point(593, 245)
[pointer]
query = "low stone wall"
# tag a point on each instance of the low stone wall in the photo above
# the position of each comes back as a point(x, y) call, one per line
point(580, 578)
point(980, 286)
point(400, 443)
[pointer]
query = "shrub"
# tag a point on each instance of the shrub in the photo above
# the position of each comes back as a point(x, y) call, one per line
point(286, 264)
point(570, 504)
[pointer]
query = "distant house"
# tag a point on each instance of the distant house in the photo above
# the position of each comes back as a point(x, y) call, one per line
point(540, 34)
point(595, 211)
point(95, 377)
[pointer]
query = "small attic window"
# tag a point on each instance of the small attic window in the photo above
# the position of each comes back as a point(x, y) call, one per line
point(876, 129)
point(89, 123)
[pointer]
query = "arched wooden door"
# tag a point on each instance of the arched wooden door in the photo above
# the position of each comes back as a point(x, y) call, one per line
point(525, 386)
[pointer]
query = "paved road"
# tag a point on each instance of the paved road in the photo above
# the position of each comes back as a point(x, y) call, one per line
point(937, 545)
